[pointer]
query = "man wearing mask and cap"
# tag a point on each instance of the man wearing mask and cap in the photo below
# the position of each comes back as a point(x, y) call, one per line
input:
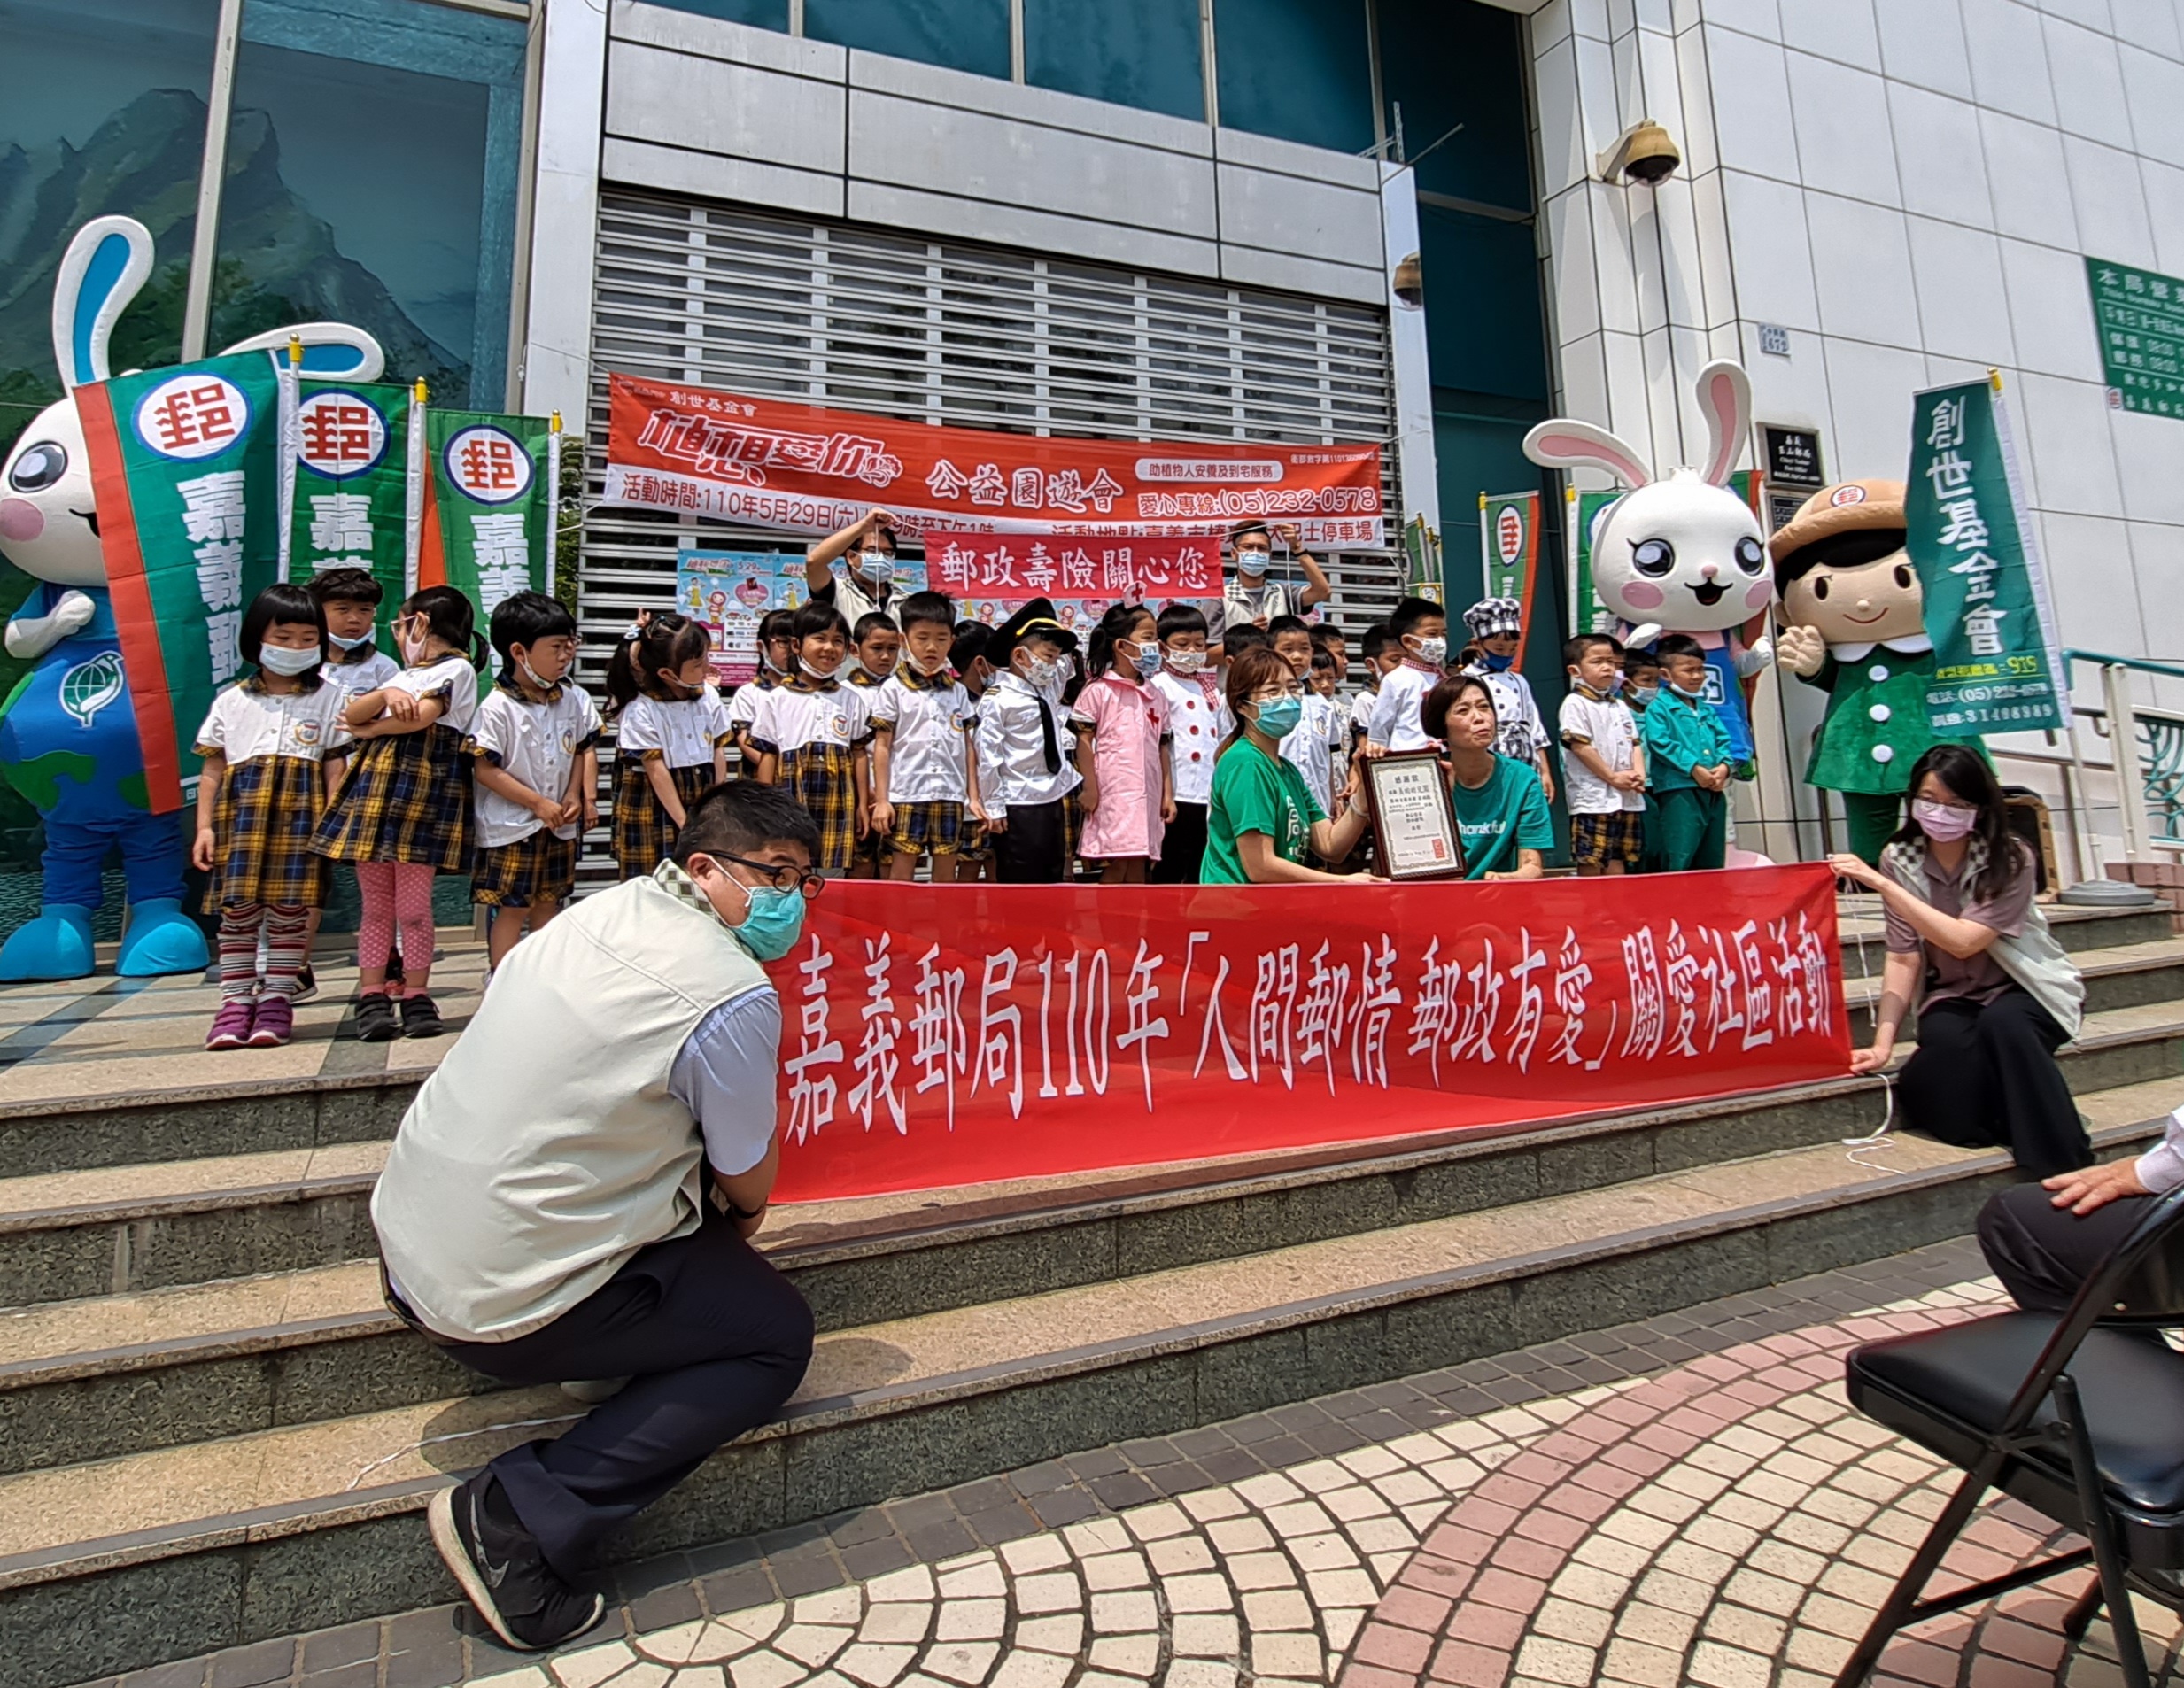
point(1249, 596)
point(1025, 769)
point(571, 1193)
point(866, 585)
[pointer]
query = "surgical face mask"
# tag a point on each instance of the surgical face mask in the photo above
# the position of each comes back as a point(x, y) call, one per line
point(1432, 651)
point(1252, 563)
point(1041, 672)
point(938, 665)
point(356, 643)
point(1146, 662)
point(1644, 694)
point(1944, 823)
point(534, 677)
point(411, 643)
point(877, 567)
point(1278, 717)
point(278, 659)
point(817, 673)
point(1681, 693)
point(771, 921)
point(1185, 661)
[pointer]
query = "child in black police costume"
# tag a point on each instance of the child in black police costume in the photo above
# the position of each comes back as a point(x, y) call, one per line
point(402, 813)
point(1025, 771)
point(272, 747)
point(924, 779)
point(537, 770)
point(966, 661)
point(671, 735)
point(811, 736)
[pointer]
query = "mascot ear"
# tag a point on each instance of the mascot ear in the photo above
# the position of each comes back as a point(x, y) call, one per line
point(1725, 395)
point(100, 273)
point(332, 351)
point(1566, 443)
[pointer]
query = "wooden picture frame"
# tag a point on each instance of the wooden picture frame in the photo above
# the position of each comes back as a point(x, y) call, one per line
point(1414, 835)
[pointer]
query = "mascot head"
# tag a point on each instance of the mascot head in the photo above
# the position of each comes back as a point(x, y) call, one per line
point(49, 519)
point(1683, 553)
point(1842, 570)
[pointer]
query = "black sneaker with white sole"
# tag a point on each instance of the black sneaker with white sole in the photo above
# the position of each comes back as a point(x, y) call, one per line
point(501, 1570)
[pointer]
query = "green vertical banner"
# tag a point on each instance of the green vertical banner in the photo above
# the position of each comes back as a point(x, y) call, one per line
point(1588, 614)
point(185, 468)
point(351, 468)
point(488, 522)
point(1509, 550)
point(1997, 667)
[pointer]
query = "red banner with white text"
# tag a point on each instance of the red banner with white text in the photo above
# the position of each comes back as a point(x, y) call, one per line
point(978, 1032)
point(699, 451)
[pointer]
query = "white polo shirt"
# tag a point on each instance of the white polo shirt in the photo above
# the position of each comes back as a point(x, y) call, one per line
point(246, 724)
point(684, 731)
point(791, 716)
point(536, 743)
point(931, 723)
point(1395, 714)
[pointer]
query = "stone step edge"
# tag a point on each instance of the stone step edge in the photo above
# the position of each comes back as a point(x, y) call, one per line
point(76, 1560)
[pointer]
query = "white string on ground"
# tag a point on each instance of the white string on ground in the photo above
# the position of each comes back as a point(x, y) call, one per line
point(456, 1436)
point(1880, 1138)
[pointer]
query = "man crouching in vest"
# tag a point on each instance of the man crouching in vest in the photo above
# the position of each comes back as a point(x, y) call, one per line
point(570, 1196)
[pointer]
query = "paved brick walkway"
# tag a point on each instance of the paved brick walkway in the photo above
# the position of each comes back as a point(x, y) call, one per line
point(1684, 1500)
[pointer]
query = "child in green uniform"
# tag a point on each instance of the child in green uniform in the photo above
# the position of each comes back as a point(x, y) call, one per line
point(1688, 760)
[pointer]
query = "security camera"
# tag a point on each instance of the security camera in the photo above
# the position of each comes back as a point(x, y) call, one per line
point(1643, 152)
point(1410, 282)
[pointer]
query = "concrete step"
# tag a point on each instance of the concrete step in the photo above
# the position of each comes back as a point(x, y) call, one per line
point(1862, 928)
point(2117, 976)
point(119, 1563)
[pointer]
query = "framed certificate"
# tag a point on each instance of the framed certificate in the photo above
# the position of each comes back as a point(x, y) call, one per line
point(1413, 823)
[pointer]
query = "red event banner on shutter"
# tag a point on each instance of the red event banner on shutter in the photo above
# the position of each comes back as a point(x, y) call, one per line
point(976, 1032)
point(1012, 568)
point(700, 451)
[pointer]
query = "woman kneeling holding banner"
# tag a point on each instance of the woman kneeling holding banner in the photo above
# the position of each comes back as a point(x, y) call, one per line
point(1263, 818)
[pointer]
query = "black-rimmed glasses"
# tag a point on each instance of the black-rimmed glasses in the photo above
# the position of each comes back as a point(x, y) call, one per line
point(780, 875)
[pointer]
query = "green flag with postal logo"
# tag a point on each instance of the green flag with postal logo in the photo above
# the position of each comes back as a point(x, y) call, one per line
point(351, 473)
point(488, 515)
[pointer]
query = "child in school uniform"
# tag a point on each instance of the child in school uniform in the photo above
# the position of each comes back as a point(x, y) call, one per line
point(537, 770)
point(877, 650)
point(776, 661)
point(1322, 735)
point(402, 812)
point(1688, 761)
point(1122, 723)
point(1606, 765)
point(811, 736)
point(924, 779)
point(1420, 630)
point(271, 747)
point(1497, 627)
point(1198, 725)
point(1024, 772)
point(671, 735)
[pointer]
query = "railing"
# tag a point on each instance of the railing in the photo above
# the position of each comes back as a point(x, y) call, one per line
point(2146, 747)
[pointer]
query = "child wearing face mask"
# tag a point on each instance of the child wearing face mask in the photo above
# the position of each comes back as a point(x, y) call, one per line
point(967, 661)
point(1421, 630)
point(1606, 768)
point(402, 812)
point(271, 749)
point(811, 736)
point(777, 662)
point(923, 778)
point(866, 584)
point(1121, 721)
point(1024, 768)
point(1249, 598)
point(354, 662)
point(1688, 762)
point(671, 733)
point(537, 771)
point(877, 650)
point(1198, 720)
point(1497, 626)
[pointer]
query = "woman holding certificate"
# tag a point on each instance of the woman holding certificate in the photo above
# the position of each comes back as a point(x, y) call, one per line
point(1263, 818)
point(1501, 811)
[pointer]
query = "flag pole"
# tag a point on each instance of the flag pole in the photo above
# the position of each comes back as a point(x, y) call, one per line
point(412, 506)
point(291, 444)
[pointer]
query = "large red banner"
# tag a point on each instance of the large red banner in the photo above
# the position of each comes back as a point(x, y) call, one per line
point(976, 1032)
point(699, 451)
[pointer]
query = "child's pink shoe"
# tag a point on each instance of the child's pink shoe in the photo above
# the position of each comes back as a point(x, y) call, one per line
point(273, 1023)
point(231, 1026)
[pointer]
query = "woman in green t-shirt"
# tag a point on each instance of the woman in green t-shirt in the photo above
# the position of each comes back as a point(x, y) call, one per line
point(1501, 811)
point(1263, 817)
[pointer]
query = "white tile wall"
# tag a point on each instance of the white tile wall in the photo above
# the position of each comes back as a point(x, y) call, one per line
point(1910, 188)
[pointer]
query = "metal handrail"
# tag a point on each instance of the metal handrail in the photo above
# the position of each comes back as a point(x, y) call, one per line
point(2144, 664)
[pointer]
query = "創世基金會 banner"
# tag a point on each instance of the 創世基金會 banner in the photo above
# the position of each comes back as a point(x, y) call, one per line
point(998, 1032)
point(804, 468)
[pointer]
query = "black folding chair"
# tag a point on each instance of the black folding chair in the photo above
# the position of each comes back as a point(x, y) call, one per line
point(2080, 1415)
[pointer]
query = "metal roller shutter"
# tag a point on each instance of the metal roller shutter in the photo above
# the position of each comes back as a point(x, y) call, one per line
point(977, 337)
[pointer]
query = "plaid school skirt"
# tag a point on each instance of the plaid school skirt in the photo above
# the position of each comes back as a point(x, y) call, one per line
point(937, 826)
point(403, 799)
point(268, 809)
point(643, 833)
point(1072, 829)
point(819, 776)
point(540, 867)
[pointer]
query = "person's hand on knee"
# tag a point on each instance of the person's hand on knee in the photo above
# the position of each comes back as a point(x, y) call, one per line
point(2092, 1188)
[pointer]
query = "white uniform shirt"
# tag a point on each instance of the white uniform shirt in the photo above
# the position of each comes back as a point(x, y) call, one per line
point(791, 716)
point(744, 704)
point(1519, 732)
point(1606, 727)
point(1012, 767)
point(2161, 1168)
point(1198, 718)
point(246, 724)
point(1395, 715)
point(1361, 707)
point(684, 731)
point(354, 680)
point(930, 724)
point(536, 743)
point(1320, 736)
point(452, 674)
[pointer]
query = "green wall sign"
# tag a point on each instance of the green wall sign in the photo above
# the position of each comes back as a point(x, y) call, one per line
point(2139, 316)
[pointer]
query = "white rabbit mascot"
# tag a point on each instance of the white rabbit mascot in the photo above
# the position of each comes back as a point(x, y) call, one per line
point(68, 739)
point(1683, 555)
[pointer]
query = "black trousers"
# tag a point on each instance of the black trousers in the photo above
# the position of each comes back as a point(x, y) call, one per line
point(713, 1341)
point(1182, 848)
point(1034, 847)
point(1984, 1076)
point(2042, 1253)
